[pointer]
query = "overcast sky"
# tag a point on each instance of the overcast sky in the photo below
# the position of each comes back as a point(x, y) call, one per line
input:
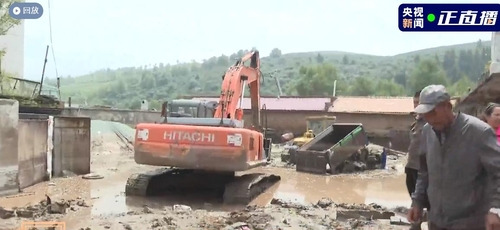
point(89, 35)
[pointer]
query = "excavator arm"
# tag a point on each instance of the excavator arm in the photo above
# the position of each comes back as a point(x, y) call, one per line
point(233, 89)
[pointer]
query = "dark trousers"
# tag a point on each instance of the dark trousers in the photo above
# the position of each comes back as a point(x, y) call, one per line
point(411, 183)
point(411, 179)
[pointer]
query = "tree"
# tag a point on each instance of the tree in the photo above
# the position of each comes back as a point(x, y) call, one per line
point(275, 53)
point(450, 65)
point(416, 58)
point(461, 87)
point(345, 59)
point(362, 86)
point(427, 72)
point(6, 21)
point(316, 80)
point(401, 78)
point(388, 87)
point(320, 58)
point(223, 60)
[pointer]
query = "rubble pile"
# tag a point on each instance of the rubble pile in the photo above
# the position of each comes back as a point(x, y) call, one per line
point(43, 208)
point(281, 214)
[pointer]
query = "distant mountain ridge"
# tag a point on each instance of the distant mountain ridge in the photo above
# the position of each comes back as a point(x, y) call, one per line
point(125, 87)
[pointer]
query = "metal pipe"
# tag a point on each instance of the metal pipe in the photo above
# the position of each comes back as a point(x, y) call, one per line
point(334, 87)
point(43, 71)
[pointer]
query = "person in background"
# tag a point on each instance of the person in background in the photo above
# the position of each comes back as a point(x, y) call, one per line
point(492, 117)
point(460, 157)
point(412, 165)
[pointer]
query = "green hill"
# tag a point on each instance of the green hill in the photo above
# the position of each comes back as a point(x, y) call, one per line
point(309, 73)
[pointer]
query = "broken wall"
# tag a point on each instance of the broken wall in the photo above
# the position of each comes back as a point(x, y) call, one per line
point(9, 117)
point(32, 151)
point(285, 121)
point(71, 145)
point(130, 117)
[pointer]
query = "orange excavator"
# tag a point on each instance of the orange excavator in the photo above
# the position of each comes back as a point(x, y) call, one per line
point(206, 152)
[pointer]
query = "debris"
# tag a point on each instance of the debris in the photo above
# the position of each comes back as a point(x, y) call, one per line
point(368, 214)
point(238, 226)
point(356, 223)
point(82, 203)
point(5, 214)
point(125, 225)
point(325, 202)
point(288, 204)
point(179, 208)
point(67, 173)
point(146, 209)
point(396, 220)
point(92, 176)
point(286, 221)
point(24, 213)
point(58, 207)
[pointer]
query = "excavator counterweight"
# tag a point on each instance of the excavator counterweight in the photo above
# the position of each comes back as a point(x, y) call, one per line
point(206, 152)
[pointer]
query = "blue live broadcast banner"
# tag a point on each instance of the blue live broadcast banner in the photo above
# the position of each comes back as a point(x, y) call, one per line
point(448, 17)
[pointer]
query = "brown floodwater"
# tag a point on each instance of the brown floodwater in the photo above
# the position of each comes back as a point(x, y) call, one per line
point(107, 195)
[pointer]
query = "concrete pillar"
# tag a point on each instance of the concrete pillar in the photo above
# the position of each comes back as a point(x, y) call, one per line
point(9, 117)
point(495, 53)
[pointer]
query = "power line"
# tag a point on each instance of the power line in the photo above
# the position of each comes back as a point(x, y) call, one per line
point(51, 43)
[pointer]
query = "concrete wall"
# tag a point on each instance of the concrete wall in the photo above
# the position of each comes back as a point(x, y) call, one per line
point(13, 43)
point(131, 117)
point(9, 119)
point(32, 151)
point(389, 130)
point(71, 145)
point(285, 121)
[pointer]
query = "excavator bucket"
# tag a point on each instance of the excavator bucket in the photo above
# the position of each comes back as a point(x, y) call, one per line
point(332, 147)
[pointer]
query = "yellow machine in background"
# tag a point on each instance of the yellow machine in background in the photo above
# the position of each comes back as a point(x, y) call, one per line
point(315, 125)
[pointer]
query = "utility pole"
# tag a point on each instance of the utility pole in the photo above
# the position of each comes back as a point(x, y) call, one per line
point(43, 71)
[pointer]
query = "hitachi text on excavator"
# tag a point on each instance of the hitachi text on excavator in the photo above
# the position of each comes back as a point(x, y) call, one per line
point(206, 152)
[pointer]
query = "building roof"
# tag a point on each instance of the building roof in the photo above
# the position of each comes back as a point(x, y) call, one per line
point(347, 104)
point(284, 103)
point(394, 105)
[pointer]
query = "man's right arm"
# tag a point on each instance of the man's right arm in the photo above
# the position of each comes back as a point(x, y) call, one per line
point(419, 197)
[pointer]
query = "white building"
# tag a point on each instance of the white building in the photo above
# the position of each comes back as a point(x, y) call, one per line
point(13, 43)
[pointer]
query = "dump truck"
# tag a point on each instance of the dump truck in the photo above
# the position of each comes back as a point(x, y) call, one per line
point(314, 126)
point(340, 148)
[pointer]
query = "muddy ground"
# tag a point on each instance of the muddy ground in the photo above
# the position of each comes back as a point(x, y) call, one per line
point(299, 201)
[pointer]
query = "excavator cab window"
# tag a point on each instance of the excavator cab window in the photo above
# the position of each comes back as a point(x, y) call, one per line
point(184, 111)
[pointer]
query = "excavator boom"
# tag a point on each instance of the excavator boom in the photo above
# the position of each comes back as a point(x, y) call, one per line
point(233, 85)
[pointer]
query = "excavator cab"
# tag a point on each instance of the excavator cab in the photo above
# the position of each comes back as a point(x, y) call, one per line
point(188, 108)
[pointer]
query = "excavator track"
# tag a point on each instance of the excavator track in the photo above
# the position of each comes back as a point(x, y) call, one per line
point(243, 189)
point(234, 189)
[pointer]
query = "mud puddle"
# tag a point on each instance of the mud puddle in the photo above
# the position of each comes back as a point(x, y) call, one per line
point(107, 195)
point(389, 191)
